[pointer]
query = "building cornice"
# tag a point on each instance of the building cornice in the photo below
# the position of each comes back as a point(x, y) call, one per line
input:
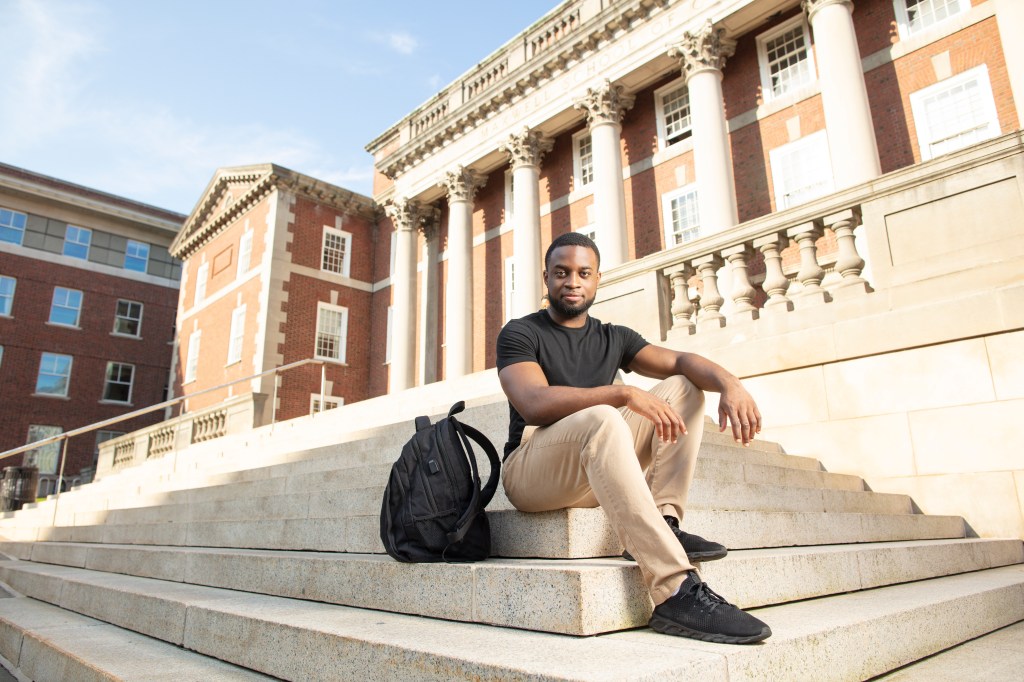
point(205, 222)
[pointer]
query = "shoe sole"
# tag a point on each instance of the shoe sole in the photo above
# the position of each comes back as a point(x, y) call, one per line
point(696, 556)
point(668, 627)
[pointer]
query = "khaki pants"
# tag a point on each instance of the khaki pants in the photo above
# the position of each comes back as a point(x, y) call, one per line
point(613, 458)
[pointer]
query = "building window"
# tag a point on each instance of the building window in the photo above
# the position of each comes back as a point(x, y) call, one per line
point(118, 387)
point(329, 403)
point(583, 158)
point(66, 307)
point(202, 274)
point(128, 318)
point(914, 16)
point(192, 360)
point(510, 285)
point(136, 256)
point(801, 170)
point(337, 250)
point(237, 335)
point(681, 215)
point(76, 242)
point(54, 374)
point(12, 226)
point(955, 113)
point(244, 253)
point(45, 456)
point(391, 327)
point(7, 295)
point(673, 102)
point(331, 328)
point(785, 58)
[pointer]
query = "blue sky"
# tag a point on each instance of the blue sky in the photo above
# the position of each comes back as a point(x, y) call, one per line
point(146, 98)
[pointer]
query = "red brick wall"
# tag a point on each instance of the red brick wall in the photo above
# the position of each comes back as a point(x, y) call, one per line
point(26, 335)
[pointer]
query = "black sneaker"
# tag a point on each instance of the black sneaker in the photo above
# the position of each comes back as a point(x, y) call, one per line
point(696, 547)
point(697, 612)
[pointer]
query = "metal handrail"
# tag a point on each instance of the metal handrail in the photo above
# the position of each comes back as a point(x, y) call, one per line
point(67, 435)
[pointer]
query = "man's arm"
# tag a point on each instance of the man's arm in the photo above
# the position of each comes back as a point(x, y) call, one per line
point(736, 406)
point(540, 404)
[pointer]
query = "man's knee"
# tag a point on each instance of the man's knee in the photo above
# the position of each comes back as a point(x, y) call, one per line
point(678, 385)
point(601, 425)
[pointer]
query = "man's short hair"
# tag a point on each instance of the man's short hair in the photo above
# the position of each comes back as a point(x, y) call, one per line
point(572, 239)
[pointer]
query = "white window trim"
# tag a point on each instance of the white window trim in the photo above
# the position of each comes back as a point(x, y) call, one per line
point(903, 18)
point(666, 212)
point(346, 263)
point(117, 317)
point(577, 165)
point(236, 337)
point(343, 343)
point(87, 245)
point(767, 91)
point(244, 254)
point(11, 227)
point(510, 209)
point(202, 276)
point(67, 385)
point(14, 290)
point(979, 73)
point(659, 105)
point(508, 281)
point(106, 381)
point(145, 265)
point(78, 310)
point(817, 138)
point(192, 360)
point(330, 402)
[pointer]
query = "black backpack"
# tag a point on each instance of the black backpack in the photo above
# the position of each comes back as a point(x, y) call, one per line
point(433, 507)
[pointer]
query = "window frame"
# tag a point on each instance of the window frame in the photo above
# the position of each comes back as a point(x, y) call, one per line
point(9, 297)
point(819, 137)
point(321, 308)
point(108, 382)
point(919, 111)
point(67, 377)
point(346, 257)
point(659, 106)
point(11, 227)
point(331, 402)
point(667, 200)
point(903, 24)
point(244, 254)
point(768, 92)
point(130, 257)
point(118, 316)
point(579, 171)
point(236, 337)
point(192, 357)
point(54, 305)
point(77, 243)
point(202, 277)
point(43, 455)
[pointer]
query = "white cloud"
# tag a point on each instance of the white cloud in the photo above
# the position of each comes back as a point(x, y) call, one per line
point(401, 42)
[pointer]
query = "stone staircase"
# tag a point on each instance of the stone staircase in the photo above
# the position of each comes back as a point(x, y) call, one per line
point(265, 561)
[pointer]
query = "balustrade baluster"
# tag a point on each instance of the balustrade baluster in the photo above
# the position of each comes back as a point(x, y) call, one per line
point(811, 273)
point(711, 300)
point(849, 263)
point(775, 281)
point(682, 307)
point(742, 291)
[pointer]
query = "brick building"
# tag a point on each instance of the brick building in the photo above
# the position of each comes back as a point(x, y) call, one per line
point(278, 267)
point(608, 118)
point(87, 304)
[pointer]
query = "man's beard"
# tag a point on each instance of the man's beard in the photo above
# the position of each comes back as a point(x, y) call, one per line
point(570, 311)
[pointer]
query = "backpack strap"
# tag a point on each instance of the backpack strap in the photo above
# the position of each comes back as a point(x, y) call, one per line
point(479, 500)
point(422, 423)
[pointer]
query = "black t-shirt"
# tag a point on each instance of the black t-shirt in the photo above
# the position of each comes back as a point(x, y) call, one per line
point(582, 357)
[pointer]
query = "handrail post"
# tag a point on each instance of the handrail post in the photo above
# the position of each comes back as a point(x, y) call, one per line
point(60, 479)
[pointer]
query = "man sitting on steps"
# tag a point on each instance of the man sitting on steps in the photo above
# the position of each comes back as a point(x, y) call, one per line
point(577, 440)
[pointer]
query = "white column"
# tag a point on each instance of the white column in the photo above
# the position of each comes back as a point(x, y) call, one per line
point(526, 149)
point(430, 226)
point(844, 95)
point(404, 214)
point(604, 107)
point(461, 185)
point(702, 57)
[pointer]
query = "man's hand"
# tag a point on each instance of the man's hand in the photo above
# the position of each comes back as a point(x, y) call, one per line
point(667, 424)
point(738, 407)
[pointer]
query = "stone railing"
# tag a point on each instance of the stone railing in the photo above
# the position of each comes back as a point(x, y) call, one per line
point(551, 32)
point(209, 425)
point(124, 453)
point(430, 117)
point(484, 77)
point(696, 295)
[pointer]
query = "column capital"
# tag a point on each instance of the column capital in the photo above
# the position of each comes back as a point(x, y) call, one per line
point(527, 147)
point(404, 213)
point(703, 50)
point(430, 221)
point(462, 183)
point(812, 6)
point(605, 103)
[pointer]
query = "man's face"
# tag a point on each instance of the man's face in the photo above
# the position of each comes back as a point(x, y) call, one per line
point(571, 278)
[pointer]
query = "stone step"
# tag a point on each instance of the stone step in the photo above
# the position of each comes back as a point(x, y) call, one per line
point(44, 642)
point(561, 534)
point(845, 637)
point(580, 597)
point(995, 657)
